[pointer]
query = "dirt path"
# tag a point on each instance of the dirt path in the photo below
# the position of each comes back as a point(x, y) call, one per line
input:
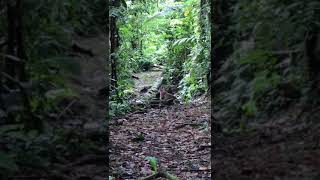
point(147, 78)
point(179, 137)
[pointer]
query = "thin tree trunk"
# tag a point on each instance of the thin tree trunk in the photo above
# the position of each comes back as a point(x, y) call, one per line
point(9, 64)
point(114, 45)
point(21, 72)
point(108, 89)
point(114, 40)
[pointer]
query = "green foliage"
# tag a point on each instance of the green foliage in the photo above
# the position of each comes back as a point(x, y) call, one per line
point(49, 27)
point(266, 70)
point(117, 108)
point(153, 163)
point(168, 33)
point(48, 30)
point(189, 54)
point(144, 65)
point(139, 137)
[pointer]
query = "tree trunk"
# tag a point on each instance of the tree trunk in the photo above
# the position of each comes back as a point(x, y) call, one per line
point(114, 40)
point(21, 69)
point(15, 41)
point(9, 63)
point(114, 45)
point(15, 68)
point(108, 90)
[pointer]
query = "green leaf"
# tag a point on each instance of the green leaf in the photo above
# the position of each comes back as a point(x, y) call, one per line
point(139, 137)
point(153, 162)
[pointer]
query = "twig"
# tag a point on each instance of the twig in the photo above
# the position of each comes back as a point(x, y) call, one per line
point(13, 58)
point(66, 109)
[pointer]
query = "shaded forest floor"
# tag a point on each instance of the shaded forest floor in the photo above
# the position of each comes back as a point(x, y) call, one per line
point(281, 149)
point(178, 136)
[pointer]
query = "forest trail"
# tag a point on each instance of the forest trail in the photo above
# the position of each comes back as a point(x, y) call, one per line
point(145, 80)
point(179, 137)
point(146, 85)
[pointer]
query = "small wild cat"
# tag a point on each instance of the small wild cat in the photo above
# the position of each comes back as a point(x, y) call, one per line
point(165, 97)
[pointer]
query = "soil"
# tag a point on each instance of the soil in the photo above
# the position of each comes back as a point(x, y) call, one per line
point(178, 136)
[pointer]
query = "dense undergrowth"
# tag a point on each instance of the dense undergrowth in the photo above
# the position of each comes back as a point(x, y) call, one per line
point(267, 69)
point(30, 104)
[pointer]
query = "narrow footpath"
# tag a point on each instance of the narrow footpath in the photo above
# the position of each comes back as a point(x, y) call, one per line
point(178, 136)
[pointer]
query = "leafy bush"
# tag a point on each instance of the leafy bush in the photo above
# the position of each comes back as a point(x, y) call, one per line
point(117, 108)
point(266, 70)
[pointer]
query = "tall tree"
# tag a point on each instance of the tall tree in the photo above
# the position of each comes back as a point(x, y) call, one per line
point(114, 42)
point(15, 67)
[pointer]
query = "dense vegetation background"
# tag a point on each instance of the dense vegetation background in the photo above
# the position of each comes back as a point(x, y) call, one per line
point(265, 89)
point(265, 64)
point(37, 63)
point(269, 53)
point(175, 34)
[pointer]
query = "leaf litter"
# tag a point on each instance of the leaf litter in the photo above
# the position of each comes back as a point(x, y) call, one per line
point(182, 151)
